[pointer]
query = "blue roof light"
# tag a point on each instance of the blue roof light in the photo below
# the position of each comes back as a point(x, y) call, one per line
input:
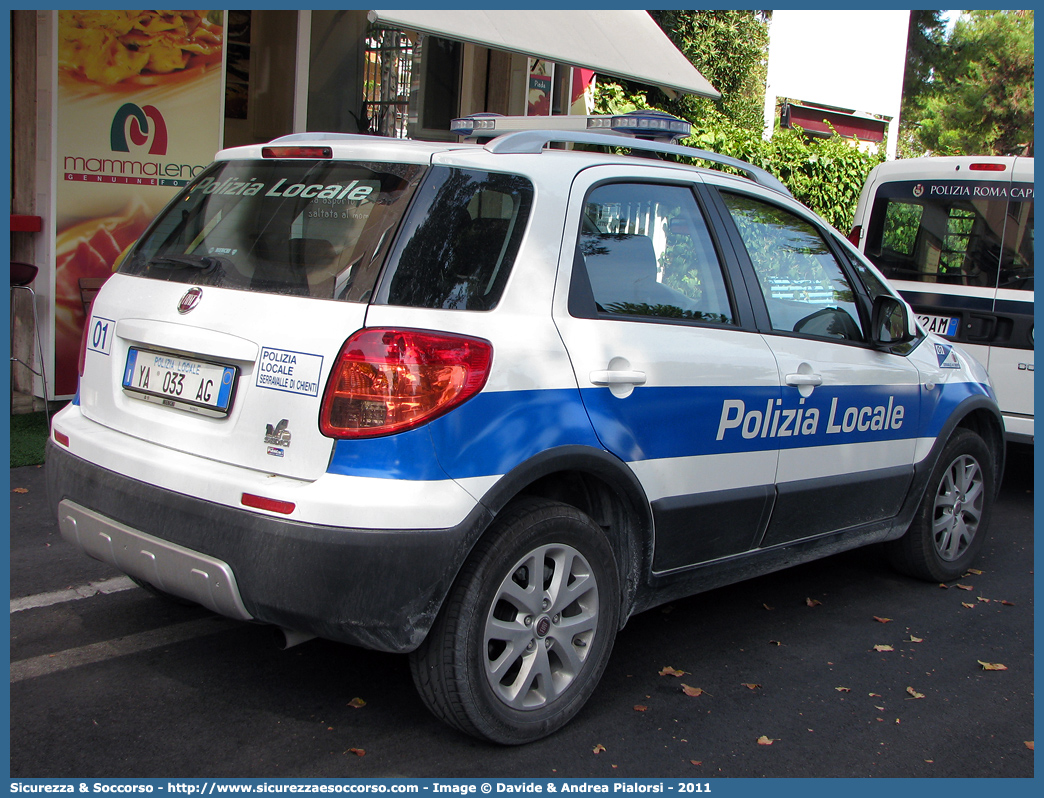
point(651, 124)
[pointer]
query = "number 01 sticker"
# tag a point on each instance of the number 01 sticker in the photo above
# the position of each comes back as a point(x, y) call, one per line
point(99, 337)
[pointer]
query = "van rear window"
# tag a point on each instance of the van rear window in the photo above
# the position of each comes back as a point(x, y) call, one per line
point(311, 228)
point(954, 232)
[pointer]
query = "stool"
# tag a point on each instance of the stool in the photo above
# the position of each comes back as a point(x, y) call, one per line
point(22, 274)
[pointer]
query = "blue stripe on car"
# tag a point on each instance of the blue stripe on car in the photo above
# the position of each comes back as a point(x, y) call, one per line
point(496, 431)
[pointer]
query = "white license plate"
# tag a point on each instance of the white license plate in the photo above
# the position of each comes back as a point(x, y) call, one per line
point(941, 325)
point(180, 382)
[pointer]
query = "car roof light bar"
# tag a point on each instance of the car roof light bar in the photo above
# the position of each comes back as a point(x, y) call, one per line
point(533, 142)
point(646, 124)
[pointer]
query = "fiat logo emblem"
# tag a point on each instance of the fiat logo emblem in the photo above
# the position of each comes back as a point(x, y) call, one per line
point(190, 300)
point(543, 626)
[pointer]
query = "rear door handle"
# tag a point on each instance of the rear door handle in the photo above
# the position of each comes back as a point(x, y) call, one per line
point(611, 377)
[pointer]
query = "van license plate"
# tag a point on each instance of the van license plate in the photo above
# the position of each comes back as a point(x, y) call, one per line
point(941, 325)
point(180, 382)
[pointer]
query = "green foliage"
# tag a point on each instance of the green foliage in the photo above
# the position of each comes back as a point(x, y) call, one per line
point(826, 174)
point(729, 48)
point(977, 96)
point(29, 433)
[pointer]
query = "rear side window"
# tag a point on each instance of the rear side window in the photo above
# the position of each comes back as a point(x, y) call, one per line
point(460, 241)
point(311, 228)
point(953, 233)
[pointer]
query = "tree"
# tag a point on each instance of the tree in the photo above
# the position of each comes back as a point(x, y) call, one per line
point(925, 42)
point(979, 98)
point(730, 49)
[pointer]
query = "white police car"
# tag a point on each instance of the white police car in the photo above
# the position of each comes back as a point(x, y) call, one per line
point(483, 402)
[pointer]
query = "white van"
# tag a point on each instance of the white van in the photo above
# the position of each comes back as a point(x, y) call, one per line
point(955, 236)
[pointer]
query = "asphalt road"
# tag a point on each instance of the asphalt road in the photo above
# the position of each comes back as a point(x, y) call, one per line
point(123, 684)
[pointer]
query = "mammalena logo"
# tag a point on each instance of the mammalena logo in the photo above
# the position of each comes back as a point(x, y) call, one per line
point(132, 120)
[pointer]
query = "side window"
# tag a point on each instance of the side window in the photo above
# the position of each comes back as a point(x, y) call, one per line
point(648, 253)
point(459, 241)
point(804, 286)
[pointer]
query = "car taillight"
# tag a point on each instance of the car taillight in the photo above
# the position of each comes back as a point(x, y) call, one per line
point(987, 167)
point(853, 237)
point(386, 381)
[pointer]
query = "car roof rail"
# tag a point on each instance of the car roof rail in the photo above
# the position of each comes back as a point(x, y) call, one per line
point(534, 141)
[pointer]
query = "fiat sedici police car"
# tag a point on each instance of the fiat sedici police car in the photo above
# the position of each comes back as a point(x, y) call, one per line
point(483, 402)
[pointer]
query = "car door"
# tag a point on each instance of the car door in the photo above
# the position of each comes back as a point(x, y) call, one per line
point(662, 343)
point(846, 423)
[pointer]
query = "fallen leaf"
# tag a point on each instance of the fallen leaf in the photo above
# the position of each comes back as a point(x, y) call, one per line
point(774, 643)
point(695, 692)
point(843, 689)
point(969, 606)
point(20, 490)
point(914, 693)
point(356, 703)
point(992, 666)
point(874, 695)
point(697, 762)
point(897, 721)
point(763, 740)
point(915, 639)
point(1028, 744)
point(879, 619)
point(767, 607)
point(640, 708)
point(944, 586)
point(356, 751)
point(1007, 603)
point(984, 600)
point(669, 671)
point(975, 571)
point(881, 647)
point(750, 686)
point(811, 602)
point(964, 587)
point(598, 749)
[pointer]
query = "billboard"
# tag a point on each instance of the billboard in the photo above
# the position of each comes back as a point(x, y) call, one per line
point(138, 114)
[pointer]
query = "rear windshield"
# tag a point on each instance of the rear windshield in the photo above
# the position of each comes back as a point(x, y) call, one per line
point(311, 228)
point(954, 233)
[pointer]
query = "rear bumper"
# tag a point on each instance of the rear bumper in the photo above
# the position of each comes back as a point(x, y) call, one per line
point(376, 588)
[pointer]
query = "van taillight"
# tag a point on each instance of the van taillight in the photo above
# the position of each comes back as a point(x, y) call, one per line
point(387, 380)
point(855, 235)
point(987, 167)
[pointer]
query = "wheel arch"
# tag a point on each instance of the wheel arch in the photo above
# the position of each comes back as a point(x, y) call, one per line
point(600, 485)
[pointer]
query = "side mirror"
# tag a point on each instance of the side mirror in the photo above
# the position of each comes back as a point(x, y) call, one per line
point(892, 323)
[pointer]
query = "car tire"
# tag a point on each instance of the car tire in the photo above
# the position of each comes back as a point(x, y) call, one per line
point(511, 658)
point(951, 523)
